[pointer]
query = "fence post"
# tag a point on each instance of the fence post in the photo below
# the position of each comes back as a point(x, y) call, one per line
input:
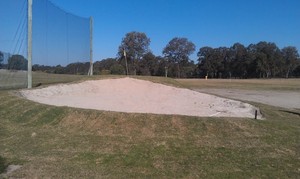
point(255, 114)
point(29, 45)
point(91, 47)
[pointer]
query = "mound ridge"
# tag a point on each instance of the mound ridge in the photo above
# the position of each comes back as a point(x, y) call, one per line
point(138, 96)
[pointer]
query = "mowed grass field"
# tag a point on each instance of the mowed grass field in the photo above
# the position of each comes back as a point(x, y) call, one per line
point(62, 142)
point(250, 84)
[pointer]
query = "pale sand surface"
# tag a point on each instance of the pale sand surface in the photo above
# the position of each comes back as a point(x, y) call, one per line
point(284, 99)
point(138, 96)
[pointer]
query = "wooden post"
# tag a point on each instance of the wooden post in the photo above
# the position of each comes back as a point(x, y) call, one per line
point(255, 114)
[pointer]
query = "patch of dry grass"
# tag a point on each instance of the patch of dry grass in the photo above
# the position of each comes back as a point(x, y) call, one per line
point(249, 84)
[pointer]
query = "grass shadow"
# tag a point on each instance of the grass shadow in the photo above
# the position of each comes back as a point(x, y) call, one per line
point(2, 164)
point(291, 112)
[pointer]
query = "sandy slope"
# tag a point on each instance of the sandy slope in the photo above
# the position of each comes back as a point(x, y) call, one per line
point(138, 96)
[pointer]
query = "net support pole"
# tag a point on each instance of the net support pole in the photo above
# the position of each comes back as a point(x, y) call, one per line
point(91, 47)
point(29, 45)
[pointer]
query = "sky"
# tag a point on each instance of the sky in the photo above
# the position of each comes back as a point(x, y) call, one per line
point(211, 23)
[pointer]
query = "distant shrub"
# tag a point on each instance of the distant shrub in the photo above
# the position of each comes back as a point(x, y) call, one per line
point(105, 72)
point(117, 69)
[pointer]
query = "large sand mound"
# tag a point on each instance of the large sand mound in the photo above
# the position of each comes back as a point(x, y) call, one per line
point(138, 96)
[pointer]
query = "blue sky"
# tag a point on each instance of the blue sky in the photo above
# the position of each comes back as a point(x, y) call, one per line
point(206, 23)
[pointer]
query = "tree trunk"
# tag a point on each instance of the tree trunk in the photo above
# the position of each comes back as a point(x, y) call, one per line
point(166, 72)
point(134, 67)
point(287, 73)
point(178, 71)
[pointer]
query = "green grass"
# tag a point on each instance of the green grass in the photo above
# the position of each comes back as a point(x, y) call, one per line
point(18, 79)
point(162, 80)
point(61, 142)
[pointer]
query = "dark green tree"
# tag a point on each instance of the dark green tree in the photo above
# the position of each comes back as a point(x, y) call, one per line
point(59, 70)
point(205, 56)
point(77, 68)
point(17, 62)
point(117, 69)
point(148, 65)
point(43, 68)
point(221, 62)
point(162, 69)
point(211, 61)
point(178, 51)
point(239, 62)
point(261, 60)
point(189, 70)
point(291, 59)
point(297, 71)
point(1, 59)
point(136, 45)
point(104, 65)
point(267, 56)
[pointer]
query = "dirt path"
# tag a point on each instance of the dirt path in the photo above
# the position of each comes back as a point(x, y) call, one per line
point(283, 99)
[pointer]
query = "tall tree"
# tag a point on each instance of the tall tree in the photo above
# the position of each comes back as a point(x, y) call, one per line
point(212, 60)
point(261, 60)
point(162, 67)
point(205, 60)
point(17, 62)
point(77, 68)
point(136, 45)
point(238, 61)
point(148, 65)
point(104, 64)
point(267, 56)
point(291, 58)
point(221, 60)
point(178, 51)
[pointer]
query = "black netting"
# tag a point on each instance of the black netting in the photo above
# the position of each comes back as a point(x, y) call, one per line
point(13, 43)
point(60, 42)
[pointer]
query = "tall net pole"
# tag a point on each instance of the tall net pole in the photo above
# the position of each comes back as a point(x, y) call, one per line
point(91, 47)
point(29, 47)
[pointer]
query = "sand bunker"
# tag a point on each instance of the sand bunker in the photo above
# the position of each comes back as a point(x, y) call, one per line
point(138, 96)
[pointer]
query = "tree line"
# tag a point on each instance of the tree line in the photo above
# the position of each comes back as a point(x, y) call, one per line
point(134, 57)
point(15, 62)
point(261, 60)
